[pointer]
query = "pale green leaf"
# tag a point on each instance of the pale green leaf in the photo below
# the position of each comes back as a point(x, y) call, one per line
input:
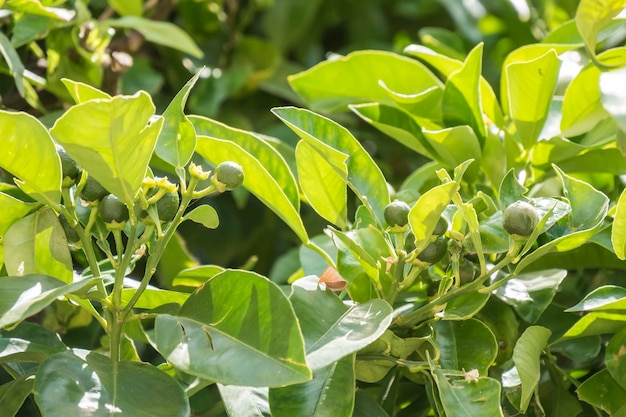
point(82, 383)
point(245, 401)
point(162, 33)
point(28, 152)
point(596, 323)
point(152, 298)
point(354, 79)
point(82, 92)
point(324, 188)
point(177, 140)
point(205, 215)
point(364, 176)
point(117, 146)
point(127, 7)
point(14, 63)
point(618, 229)
point(593, 15)
point(529, 89)
point(455, 145)
point(426, 212)
point(37, 8)
point(527, 359)
point(36, 244)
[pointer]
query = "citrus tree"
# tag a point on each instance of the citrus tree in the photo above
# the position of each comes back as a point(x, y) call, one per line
point(485, 283)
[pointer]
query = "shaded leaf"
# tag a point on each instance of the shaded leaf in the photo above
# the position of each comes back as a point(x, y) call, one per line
point(87, 383)
point(526, 356)
point(14, 393)
point(615, 358)
point(14, 63)
point(245, 401)
point(602, 391)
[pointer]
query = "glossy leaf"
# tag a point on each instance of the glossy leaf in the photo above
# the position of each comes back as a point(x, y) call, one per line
point(466, 345)
point(245, 401)
point(605, 298)
point(602, 391)
point(14, 393)
point(82, 92)
point(364, 176)
point(615, 358)
point(36, 244)
point(593, 15)
point(29, 342)
point(329, 393)
point(333, 330)
point(596, 323)
point(13, 61)
point(455, 145)
point(529, 90)
point(24, 296)
point(205, 215)
point(118, 145)
point(397, 124)
point(461, 398)
point(162, 33)
point(87, 383)
point(38, 171)
point(177, 140)
point(426, 212)
point(153, 298)
point(531, 293)
point(447, 66)
point(526, 356)
point(324, 188)
point(465, 306)
point(461, 97)
point(196, 276)
point(354, 79)
point(238, 328)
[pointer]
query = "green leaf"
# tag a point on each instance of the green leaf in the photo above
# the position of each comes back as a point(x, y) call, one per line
point(27, 295)
point(466, 345)
point(153, 298)
point(12, 210)
point(615, 358)
point(426, 212)
point(397, 124)
point(88, 383)
point(329, 393)
point(29, 342)
point(117, 146)
point(82, 92)
point(196, 276)
point(461, 97)
point(245, 401)
point(162, 33)
point(465, 306)
point(447, 66)
point(510, 190)
point(596, 323)
point(359, 78)
point(593, 15)
point(333, 330)
point(14, 393)
point(37, 8)
point(529, 89)
point(455, 145)
point(364, 176)
point(602, 391)
point(36, 244)
point(205, 215)
point(365, 406)
point(37, 170)
point(258, 179)
point(531, 293)
point(605, 298)
point(612, 96)
point(526, 356)
point(238, 328)
point(177, 140)
point(127, 7)
point(472, 398)
point(14, 63)
point(324, 188)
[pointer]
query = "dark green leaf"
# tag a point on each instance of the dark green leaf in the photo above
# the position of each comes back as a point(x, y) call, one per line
point(14, 393)
point(615, 358)
point(245, 401)
point(602, 391)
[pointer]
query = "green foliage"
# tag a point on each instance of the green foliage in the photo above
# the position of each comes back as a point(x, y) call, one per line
point(399, 281)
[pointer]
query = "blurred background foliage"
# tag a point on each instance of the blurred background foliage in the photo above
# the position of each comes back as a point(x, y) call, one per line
point(245, 51)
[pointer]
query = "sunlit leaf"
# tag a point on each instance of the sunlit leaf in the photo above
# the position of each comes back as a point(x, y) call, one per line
point(526, 356)
point(426, 212)
point(14, 63)
point(615, 358)
point(38, 170)
point(205, 215)
point(605, 298)
point(593, 15)
point(82, 92)
point(455, 145)
point(612, 95)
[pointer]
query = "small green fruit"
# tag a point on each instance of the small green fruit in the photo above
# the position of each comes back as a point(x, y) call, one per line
point(435, 251)
point(70, 233)
point(520, 219)
point(69, 167)
point(397, 213)
point(441, 226)
point(112, 209)
point(230, 174)
point(167, 207)
point(93, 191)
